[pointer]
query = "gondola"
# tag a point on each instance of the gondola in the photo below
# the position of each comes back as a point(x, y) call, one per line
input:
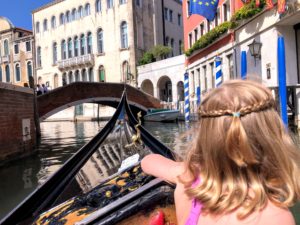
point(126, 195)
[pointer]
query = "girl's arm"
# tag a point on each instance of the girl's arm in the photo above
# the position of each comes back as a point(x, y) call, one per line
point(161, 167)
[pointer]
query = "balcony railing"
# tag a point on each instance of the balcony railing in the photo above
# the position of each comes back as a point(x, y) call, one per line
point(84, 60)
point(5, 59)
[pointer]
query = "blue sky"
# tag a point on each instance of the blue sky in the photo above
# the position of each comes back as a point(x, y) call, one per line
point(19, 11)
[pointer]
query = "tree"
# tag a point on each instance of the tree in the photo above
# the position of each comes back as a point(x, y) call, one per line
point(157, 53)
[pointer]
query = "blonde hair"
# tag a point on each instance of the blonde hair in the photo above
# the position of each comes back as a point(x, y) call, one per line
point(242, 152)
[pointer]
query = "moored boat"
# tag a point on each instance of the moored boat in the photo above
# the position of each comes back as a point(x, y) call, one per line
point(162, 115)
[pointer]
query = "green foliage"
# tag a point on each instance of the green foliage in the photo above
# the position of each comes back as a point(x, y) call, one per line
point(246, 12)
point(158, 52)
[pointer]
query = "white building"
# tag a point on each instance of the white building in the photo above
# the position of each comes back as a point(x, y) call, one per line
point(100, 40)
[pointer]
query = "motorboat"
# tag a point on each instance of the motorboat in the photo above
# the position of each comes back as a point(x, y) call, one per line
point(161, 115)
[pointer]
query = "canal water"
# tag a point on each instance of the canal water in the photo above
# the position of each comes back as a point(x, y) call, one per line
point(59, 141)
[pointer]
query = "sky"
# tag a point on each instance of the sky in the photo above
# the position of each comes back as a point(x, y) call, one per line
point(19, 11)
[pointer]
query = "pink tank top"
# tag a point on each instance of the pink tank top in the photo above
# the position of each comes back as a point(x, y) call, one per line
point(196, 208)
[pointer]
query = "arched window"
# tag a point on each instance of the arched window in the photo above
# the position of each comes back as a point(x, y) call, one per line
point(37, 27)
point(39, 56)
point(98, 6)
point(123, 2)
point(110, 4)
point(83, 74)
point(100, 41)
point(1, 79)
point(70, 77)
point(54, 52)
point(125, 71)
point(101, 74)
point(53, 22)
point(6, 48)
point(45, 25)
point(124, 35)
point(68, 17)
point(77, 77)
point(76, 46)
point(90, 43)
point(80, 12)
point(70, 47)
point(63, 49)
point(91, 75)
point(29, 69)
point(7, 73)
point(61, 19)
point(18, 73)
point(167, 41)
point(73, 16)
point(87, 9)
point(64, 79)
point(82, 44)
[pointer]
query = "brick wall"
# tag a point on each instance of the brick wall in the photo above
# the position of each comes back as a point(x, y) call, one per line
point(17, 129)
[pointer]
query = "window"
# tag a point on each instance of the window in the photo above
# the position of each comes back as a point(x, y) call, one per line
point(179, 19)
point(77, 77)
point(230, 66)
point(123, 2)
point(28, 46)
point(125, 71)
point(73, 15)
point(190, 40)
point(1, 79)
point(53, 22)
point(196, 34)
point(39, 57)
point(45, 25)
point(167, 41)
point(138, 3)
point(124, 37)
point(76, 46)
point(98, 6)
point(101, 74)
point(170, 15)
point(205, 78)
point(225, 16)
point(180, 47)
point(68, 17)
point(87, 10)
point(61, 19)
point(64, 79)
point(55, 80)
point(208, 25)
point(29, 69)
point(70, 48)
point(16, 48)
point(70, 77)
point(202, 29)
point(80, 12)
point(217, 18)
point(110, 4)
point(7, 73)
point(63, 49)
point(82, 44)
point(6, 49)
point(89, 43)
point(83, 74)
point(100, 41)
point(18, 72)
point(37, 27)
point(166, 13)
point(172, 47)
point(91, 74)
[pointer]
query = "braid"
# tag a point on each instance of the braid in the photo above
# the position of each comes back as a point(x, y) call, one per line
point(260, 106)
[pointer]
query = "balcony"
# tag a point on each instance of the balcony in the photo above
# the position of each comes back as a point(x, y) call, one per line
point(79, 61)
point(5, 59)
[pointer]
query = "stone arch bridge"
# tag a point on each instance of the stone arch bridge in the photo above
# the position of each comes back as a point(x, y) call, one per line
point(88, 92)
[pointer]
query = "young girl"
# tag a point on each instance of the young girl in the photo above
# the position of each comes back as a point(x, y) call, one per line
point(243, 167)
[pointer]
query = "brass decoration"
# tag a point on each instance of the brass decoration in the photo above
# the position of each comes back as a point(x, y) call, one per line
point(136, 138)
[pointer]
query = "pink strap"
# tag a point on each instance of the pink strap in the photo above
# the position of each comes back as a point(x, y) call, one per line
point(196, 208)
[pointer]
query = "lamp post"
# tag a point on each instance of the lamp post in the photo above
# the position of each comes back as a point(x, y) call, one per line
point(255, 50)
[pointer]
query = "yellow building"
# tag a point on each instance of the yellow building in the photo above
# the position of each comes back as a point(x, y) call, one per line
point(16, 63)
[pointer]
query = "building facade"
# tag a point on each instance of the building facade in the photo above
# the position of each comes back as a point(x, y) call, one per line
point(16, 65)
point(99, 40)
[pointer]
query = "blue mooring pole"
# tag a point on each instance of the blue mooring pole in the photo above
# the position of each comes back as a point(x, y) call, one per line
point(186, 98)
point(282, 80)
point(243, 65)
point(218, 64)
